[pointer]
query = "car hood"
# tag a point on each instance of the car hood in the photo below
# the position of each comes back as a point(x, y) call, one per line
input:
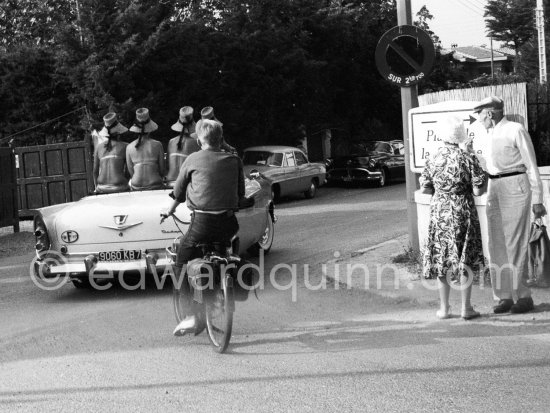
point(123, 218)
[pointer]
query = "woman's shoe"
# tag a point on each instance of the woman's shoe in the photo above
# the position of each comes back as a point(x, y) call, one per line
point(470, 313)
point(443, 314)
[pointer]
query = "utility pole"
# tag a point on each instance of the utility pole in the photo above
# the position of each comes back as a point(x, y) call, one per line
point(542, 41)
point(79, 22)
point(492, 61)
point(409, 100)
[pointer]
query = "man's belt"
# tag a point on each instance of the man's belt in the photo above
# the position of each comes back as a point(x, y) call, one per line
point(505, 175)
point(222, 213)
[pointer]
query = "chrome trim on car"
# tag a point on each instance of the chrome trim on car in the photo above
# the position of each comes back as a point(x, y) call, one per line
point(120, 227)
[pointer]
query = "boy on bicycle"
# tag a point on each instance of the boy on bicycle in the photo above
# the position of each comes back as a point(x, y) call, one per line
point(211, 181)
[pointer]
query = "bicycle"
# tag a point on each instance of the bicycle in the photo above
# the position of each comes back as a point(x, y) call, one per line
point(213, 303)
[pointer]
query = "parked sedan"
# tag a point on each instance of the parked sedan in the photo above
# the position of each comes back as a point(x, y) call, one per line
point(287, 167)
point(100, 235)
point(381, 162)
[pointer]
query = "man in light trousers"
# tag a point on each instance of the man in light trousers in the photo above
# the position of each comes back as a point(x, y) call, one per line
point(514, 185)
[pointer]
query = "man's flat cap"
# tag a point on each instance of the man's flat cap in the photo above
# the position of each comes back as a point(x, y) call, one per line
point(492, 102)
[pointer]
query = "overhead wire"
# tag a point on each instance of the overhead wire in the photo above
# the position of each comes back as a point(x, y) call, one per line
point(469, 7)
point(43, 123)
point(481, 9)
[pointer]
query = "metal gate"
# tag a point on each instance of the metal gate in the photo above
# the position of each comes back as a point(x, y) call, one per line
point(8, 190)
point(53, 174)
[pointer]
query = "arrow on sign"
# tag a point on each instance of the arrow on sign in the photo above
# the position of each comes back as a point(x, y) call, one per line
point(472, 119)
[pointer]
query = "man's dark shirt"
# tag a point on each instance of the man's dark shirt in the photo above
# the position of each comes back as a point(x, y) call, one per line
point(210, 181)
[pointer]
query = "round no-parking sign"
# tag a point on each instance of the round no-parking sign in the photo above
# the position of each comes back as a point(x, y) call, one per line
point(405, 55)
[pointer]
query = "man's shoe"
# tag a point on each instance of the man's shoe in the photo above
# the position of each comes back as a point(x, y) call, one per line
point(187, 325)
point(503, 306)
point(523, 305)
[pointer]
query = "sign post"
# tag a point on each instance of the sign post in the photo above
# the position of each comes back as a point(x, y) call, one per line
point(404, 56)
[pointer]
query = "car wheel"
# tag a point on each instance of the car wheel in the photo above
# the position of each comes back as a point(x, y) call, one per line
point(383, 178)
point(266, 241)
point(310, 193)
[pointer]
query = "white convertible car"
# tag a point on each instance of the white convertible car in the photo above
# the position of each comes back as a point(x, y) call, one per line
point(101, 235)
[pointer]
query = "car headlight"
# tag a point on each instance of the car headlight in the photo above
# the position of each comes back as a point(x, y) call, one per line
point(372, 163)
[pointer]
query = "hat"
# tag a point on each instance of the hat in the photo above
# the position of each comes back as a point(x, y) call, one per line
point(451, 129)
point(143, 122)
point(112, 125)
point(492, 102)
point(186, 118)
point(208, 113)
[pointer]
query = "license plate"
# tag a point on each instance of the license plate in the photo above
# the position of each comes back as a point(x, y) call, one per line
point(346, 179)
point(120, 255)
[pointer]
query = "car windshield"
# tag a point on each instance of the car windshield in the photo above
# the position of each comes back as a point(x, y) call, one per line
point(262, 158)
point(378, 147)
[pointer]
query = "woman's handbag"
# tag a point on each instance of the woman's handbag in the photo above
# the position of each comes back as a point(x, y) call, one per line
point(539, 256)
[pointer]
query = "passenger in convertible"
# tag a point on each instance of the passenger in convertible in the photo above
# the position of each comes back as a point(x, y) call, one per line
point(110, 172)
point(211, 182)
point(180, 147)
point(145, 156)
point(208, 114)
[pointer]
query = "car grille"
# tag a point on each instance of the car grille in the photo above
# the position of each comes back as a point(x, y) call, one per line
point(353, 173)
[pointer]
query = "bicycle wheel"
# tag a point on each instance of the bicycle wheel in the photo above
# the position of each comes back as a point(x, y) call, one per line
point(219, 315)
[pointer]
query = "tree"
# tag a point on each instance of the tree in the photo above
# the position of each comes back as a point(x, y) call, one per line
point(511, 21)
point(33, 22)
point(267, 66)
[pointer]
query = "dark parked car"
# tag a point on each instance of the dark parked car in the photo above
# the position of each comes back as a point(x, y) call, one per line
point(287, 167)
point(381, 162)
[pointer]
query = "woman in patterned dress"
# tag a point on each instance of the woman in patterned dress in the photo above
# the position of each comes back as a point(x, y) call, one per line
point(453, 250)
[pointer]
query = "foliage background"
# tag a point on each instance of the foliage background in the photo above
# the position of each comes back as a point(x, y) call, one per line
point(266, 66)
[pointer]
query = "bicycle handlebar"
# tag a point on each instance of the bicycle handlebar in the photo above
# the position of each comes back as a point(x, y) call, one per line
point(174, 217)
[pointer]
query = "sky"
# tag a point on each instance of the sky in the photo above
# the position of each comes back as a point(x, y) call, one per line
point(456, 21)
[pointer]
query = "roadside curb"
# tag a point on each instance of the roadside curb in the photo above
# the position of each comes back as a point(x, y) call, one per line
point(372, 269)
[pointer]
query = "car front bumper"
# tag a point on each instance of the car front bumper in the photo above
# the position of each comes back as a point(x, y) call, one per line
point(353, 175)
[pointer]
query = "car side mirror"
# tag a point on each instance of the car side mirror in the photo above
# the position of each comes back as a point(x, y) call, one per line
point(254, 174)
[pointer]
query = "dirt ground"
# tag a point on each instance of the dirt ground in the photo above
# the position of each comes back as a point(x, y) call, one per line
point(19, 243)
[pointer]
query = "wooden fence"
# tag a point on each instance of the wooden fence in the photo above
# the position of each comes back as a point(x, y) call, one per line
point(8, 190)
point(514, 96)
point(53, 174)
point(527, 103)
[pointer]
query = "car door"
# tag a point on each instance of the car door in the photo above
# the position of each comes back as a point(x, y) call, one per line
point(305, 171)
point(291, 181)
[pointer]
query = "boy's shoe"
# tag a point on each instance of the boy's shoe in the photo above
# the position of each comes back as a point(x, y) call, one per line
point(187, 325)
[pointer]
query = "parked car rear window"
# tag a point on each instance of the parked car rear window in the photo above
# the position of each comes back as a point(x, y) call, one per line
point(300, 158)
point(379, 147)
point(262, 158)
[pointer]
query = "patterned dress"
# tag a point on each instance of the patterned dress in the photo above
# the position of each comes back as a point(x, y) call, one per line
point(454, 236)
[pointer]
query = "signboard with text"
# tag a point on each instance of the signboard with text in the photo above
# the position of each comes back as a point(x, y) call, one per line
point(423, 130)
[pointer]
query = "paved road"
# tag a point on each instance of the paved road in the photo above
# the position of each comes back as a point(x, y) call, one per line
point(321, 350)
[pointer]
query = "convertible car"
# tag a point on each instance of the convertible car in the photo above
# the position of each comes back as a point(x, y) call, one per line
point(101, 235)
point(287, 167)
point(379, 162)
